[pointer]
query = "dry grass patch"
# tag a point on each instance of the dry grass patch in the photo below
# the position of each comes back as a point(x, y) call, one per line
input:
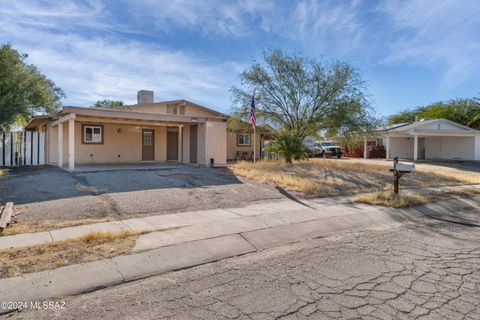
point(17, 227)
point(93, 246)
point(334, 177)
point(386, 198)
point(408, 199)
point(462, 177)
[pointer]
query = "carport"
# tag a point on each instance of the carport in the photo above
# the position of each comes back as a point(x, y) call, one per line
point(433, 139)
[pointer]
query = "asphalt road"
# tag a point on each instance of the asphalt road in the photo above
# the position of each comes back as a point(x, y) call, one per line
point(421, 271)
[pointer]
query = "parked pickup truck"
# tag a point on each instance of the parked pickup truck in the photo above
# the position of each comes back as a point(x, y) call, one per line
point(327, 148)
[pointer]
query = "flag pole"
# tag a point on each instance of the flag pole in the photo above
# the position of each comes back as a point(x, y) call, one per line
point(254, 128)
point(254, 143)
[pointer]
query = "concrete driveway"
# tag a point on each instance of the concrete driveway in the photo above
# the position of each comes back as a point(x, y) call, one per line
point(49, 193)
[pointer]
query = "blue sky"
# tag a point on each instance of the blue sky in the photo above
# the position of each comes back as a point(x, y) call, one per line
point(409, 52)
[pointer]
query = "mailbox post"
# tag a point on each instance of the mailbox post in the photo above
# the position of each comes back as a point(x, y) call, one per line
point(399, 169)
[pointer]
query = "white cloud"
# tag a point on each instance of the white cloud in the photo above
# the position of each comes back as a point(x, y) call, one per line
point(326, 20)
point(111, 64)
point(439, 34)
point(93, 68)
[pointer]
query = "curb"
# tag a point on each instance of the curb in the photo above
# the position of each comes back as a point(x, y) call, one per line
point(91, 276)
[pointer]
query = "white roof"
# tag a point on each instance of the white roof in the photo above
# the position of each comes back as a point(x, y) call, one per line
point(432, 126)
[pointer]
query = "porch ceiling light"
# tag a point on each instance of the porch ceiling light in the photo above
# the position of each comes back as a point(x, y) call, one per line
point(194, 119)
point(119, 131)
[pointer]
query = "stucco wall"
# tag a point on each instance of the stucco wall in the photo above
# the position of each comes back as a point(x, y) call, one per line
point(149, 108)
point(199, 112)
point(232, 146)
point(161, 108)
point(212, 143)
point(123, 147)
point(450, 148)
point(401, 147)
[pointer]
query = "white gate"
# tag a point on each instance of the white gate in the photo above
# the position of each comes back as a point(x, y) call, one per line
point(22, 148)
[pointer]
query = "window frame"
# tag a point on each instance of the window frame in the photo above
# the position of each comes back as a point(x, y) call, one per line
point(239, 134)
point(93, 126)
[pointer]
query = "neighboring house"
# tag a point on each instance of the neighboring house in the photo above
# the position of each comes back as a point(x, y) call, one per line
point(428, 139)
point(178, 131)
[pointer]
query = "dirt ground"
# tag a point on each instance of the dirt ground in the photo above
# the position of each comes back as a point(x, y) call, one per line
point(50, 194)
point(336, 177)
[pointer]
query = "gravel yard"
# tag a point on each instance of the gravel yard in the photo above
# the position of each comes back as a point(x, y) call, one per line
point(48, 193)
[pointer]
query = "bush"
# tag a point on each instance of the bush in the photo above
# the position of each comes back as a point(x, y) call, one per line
point(288, 144)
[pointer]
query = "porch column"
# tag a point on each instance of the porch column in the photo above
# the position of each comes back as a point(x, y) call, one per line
point(415, 147)
point(477, 147)
point(60, 144)
point(71, 144)
point(387, 147)
point(180, 143)
point(364, 148)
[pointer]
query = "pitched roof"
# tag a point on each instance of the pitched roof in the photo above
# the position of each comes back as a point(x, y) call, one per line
point(392, 126)
point(427, 125)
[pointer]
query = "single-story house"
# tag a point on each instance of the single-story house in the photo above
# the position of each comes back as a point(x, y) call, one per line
point(434, 139)
point(178, 131)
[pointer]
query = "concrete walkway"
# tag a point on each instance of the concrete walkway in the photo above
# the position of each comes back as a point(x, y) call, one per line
point(198, 224)
point(207, 236)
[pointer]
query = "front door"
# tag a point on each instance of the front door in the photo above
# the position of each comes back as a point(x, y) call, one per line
point(172, 145)
point(148, 145)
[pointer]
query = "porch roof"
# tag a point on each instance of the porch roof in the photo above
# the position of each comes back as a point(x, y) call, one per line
point(36, 121)
point(431, 127)
point(132, 115)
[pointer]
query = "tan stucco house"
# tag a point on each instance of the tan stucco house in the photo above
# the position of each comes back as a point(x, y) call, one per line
point(177, 131)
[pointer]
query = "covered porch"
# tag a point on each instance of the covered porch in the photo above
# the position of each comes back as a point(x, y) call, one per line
point(436, 139)
point(84, 139)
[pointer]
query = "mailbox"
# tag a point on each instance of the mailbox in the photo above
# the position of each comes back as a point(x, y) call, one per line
point(399, 169)
point(405, 167)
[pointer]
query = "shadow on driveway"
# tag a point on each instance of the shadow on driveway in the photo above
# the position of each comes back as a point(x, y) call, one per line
point(42, 183)
point(49, 193)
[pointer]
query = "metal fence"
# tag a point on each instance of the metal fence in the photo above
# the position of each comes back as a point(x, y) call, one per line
point(22, 148)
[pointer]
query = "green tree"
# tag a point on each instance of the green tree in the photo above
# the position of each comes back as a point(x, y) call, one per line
point(24, 91)
point(108, 104)
point(475, 122)
point(462, 111)
point(300, 96)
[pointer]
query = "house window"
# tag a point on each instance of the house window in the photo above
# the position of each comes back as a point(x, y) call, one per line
point(243, 139)
point(92, 134)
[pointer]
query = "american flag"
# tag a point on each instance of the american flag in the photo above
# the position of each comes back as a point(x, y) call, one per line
point(253, 113)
